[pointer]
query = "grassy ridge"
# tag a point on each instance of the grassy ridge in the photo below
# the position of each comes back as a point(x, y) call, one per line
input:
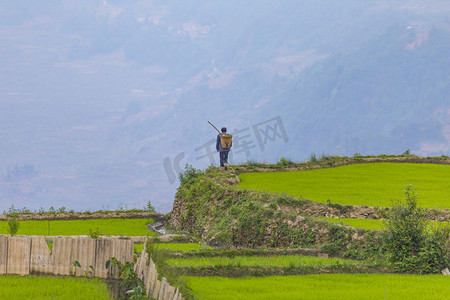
point(126, 227)
point(182, 247)
point(369, 224)
point(372, 184)
point(323, 286)
point(280, 260)
point(48, 287)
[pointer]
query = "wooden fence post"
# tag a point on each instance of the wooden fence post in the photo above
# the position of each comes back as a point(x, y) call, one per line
point(62, 252)
point(103, 252)
point(84, 253)
point(19, 250)
point(3, 253)
point(41, 260)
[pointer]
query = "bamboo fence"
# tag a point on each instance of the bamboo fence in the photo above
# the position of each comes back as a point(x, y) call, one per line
point(25, 255)
point(158, 289)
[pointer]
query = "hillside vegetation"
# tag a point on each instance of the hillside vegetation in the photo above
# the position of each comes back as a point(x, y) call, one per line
point(213, 207)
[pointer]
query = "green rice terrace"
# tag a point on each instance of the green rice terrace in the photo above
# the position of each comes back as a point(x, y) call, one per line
point(120, 227)
point(330, 228)
point(362, 227)
point(46, 287)
point(374, 184)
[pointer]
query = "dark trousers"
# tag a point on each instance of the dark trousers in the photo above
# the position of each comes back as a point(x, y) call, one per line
point(223, 157)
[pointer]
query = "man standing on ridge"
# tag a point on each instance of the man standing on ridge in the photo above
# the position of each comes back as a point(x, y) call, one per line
point(223, 152)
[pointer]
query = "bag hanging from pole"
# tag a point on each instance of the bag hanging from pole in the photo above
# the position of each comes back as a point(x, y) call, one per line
point(225, 140)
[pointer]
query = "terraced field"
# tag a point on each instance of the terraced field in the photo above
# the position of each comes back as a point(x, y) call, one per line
point(371, 184)
point(277, 247)
point(126, 227)
point(175, 247)
point(49, 287)
point(276, 260)
point(368, 224)
point(317, 286)
point(323, 286)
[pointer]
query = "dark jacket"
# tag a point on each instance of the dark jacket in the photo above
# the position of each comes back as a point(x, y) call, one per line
point(219, 145)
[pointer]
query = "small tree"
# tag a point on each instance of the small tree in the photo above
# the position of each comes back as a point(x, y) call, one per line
point(13, 225)
point(189, 176)
point(409, 241)
point(149, 207)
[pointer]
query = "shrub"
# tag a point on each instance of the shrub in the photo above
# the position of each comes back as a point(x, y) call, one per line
point(407, 152)
point(409, 244)
point(252, 162)
point(188, 177)
point(94, 234)
point(149, 207)
point(13, 225)
point(285, 162)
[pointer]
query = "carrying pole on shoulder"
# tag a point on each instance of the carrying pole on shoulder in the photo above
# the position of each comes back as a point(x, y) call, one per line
point(214, 127)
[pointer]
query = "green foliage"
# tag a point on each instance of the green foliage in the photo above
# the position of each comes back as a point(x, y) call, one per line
point(130, 279)
point(240, 217)
point(149, 207)
point(339, 236)
point(284, 162)
point(409, 244)
point(94, 234)
point(435, 256)
point(90, 272)
point(13, 225)
point(288, 200)
point(343, 209)
point(76, 264)
point(251, 225)
point(189, 176)
point(49, 243)
point(406, 153)
point(62, 210)
point(137, 293)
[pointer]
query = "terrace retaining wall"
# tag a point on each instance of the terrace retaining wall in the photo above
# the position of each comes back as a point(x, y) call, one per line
point(158, 289)
point(25, 255)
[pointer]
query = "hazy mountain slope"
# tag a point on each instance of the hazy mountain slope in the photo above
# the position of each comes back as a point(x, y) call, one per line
point(97, 95)
point(389, 95)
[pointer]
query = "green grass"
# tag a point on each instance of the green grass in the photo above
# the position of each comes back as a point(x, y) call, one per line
point(368, 224)
point(273, 261)
point(324, 286)
point(372, 184)
point(126, 227)
point(48, 287)
point(183, 247)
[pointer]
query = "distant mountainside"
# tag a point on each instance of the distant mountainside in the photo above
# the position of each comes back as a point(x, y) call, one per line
point(108, 100)
point(389, 95)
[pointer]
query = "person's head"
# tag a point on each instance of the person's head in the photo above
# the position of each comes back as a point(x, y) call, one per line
point(224, 129)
